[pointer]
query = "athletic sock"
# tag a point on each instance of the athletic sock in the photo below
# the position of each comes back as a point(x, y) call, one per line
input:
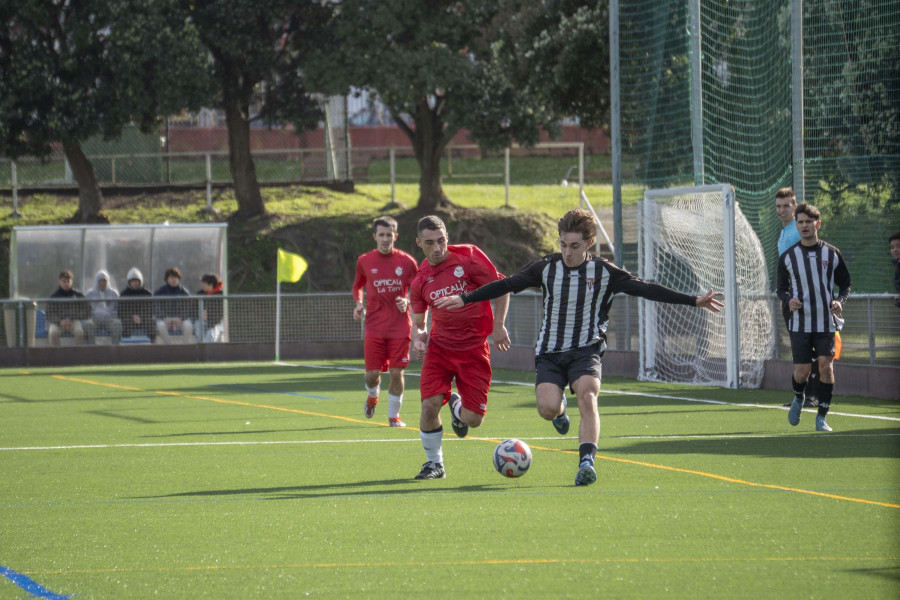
point(799, 388)
point(431, 441)
point(374, 391)
point(586, 452)
point(825, 391)
point(394, 404)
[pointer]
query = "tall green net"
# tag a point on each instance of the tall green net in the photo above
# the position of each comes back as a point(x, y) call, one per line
point(743, 105)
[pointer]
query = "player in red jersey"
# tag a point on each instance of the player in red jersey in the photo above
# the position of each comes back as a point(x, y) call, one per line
point(458, 345)
point(385, 273)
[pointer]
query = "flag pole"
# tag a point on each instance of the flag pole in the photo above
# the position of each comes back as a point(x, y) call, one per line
point(278, 323)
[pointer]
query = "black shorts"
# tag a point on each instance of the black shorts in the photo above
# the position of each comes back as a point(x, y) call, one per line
point(806, 346)
point(564, 368)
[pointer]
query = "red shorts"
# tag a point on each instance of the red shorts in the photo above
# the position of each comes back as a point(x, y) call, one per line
point(472, 369)
point(382, 354)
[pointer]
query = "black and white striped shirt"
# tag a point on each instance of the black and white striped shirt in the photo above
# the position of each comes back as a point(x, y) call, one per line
point(576, 301)
point(810, 273)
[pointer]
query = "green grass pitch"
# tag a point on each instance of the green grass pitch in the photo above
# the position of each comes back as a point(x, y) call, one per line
point(261, 480)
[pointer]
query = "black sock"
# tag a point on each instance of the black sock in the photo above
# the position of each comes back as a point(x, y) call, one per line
point(587, 450)
point(799, 388)
point(825, 391)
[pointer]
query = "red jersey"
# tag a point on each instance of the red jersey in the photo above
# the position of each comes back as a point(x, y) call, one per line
point(385, 277)
point(464, 270)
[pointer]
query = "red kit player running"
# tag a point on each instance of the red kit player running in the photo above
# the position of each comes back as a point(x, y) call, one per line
point(385, 273)
point(458, 345)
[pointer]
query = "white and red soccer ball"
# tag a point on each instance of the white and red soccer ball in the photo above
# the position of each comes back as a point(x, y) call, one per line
point(512, 458)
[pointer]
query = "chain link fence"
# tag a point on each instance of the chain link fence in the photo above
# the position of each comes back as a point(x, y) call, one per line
point(871, 336)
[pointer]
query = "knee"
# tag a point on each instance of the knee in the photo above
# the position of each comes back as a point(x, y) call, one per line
point(547, 411)
point(373, 378)
point(587, 402)
point(801, 372)
point(472, 419)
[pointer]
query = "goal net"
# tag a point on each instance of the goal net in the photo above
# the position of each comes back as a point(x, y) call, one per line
point(692, 240)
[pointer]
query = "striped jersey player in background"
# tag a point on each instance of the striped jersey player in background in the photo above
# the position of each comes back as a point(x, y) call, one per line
point(807, 275)
point(385, 273)
point(578, 291)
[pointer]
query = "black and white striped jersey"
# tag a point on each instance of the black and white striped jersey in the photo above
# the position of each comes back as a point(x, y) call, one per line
point(810, 274)
point(576, 301)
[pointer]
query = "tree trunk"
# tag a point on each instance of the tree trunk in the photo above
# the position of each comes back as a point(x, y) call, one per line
point(90, 198)
point(428, 141)
point(243, 171)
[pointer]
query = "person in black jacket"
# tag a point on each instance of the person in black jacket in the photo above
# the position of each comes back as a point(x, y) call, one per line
point(136, 315)
point(66, 316)
point(174, 315)
point(213, 312)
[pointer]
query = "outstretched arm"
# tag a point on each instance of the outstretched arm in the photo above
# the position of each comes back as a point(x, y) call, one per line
point(660, 293)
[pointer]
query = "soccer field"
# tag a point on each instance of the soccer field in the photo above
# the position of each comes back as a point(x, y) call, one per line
point(262, 480)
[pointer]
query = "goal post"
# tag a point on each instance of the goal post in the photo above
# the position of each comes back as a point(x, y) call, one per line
point(693, 239)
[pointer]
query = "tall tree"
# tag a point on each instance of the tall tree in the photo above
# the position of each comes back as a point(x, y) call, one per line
point(258, 49)
point(73, 69)
point(445, 65)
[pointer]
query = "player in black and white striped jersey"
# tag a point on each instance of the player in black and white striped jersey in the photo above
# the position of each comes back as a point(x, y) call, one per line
point(578, 291)
point(807, 275)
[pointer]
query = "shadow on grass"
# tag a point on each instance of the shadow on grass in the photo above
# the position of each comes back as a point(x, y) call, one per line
point(351, 488)
point(862, 443)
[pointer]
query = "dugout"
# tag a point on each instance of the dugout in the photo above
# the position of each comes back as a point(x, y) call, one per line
point(39, 253)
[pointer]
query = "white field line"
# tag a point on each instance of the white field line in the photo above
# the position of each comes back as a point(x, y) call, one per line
point(624, 393)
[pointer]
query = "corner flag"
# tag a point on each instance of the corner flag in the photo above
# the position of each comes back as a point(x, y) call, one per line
point(291, 267)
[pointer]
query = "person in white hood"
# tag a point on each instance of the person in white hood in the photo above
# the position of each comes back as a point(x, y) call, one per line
point(137, 315)
point(104, 312)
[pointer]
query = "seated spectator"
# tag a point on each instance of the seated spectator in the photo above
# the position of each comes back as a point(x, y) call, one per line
point(66, 317)
point(104, 315)
point(213, 311)
point(137, 315)
point(173, 315)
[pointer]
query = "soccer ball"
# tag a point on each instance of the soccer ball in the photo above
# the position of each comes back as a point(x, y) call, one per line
point(512, 458)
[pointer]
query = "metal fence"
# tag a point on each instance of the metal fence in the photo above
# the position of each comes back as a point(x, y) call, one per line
point(871, 335)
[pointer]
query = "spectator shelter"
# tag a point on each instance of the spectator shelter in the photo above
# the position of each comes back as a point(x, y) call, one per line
point(38, 254)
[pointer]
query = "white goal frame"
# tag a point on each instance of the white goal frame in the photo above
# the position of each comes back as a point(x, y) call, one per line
point(745, 288)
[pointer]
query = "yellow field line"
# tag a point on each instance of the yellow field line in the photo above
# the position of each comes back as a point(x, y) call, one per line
point(601, 457)
point(521, 561)
point(219, 400)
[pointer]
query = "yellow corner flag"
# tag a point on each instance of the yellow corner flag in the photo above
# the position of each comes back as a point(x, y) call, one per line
point(291, 267)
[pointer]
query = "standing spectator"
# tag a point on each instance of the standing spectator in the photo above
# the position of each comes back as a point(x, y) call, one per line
point(66, 317)
point(578, 291)
point(785, 204)
point(173, 315)
point(385, 274)
point(213, 312)
point(104, 309)
point(894, 240)
point(137, 315)
point(458, 345)
point(807, 275)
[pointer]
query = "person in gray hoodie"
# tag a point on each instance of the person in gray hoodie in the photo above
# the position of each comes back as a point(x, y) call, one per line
point(104, 311)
